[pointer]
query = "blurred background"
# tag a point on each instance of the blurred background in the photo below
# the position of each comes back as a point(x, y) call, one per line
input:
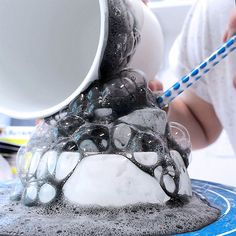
point(216, 163)
point(13, 134)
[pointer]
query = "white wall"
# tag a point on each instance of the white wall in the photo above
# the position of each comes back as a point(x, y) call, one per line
point(171, 15)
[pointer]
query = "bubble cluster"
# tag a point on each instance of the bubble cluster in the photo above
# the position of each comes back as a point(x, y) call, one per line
point(123, 37)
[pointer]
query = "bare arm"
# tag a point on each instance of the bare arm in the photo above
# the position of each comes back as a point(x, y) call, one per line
point(198, 117)
point(195, 114)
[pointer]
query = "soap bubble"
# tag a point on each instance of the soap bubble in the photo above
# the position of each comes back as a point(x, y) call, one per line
point(180, 134)
point(181, 137)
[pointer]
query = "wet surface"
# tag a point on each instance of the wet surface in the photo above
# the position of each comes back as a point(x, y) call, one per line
point(66, 219)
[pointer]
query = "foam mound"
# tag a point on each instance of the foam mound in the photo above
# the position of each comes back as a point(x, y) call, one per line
point(110, 157)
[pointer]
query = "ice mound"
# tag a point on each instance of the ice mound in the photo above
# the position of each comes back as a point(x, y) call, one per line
point(120, 183)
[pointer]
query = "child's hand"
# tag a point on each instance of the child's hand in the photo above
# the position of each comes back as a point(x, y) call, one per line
point(231, 28)
point(145, 1)
point(155, 86)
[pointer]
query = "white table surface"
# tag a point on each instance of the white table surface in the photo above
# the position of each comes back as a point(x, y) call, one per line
point(216, 163)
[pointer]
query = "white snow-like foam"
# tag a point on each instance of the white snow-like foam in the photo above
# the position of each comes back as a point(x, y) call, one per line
point(46, 193)
point(66, 163)
point(146, 158)
point(111, 180)
point(185, 187)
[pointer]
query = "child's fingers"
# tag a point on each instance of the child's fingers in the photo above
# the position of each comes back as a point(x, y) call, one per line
point(226, 36)
point(234, 81)
point(232, 23)
point(145, 1)
point(155, 85)
point(231, 29)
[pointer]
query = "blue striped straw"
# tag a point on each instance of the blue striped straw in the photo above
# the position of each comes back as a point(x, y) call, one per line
point(196, 74)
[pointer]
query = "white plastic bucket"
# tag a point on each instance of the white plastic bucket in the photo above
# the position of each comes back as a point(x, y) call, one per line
point(50, 51)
